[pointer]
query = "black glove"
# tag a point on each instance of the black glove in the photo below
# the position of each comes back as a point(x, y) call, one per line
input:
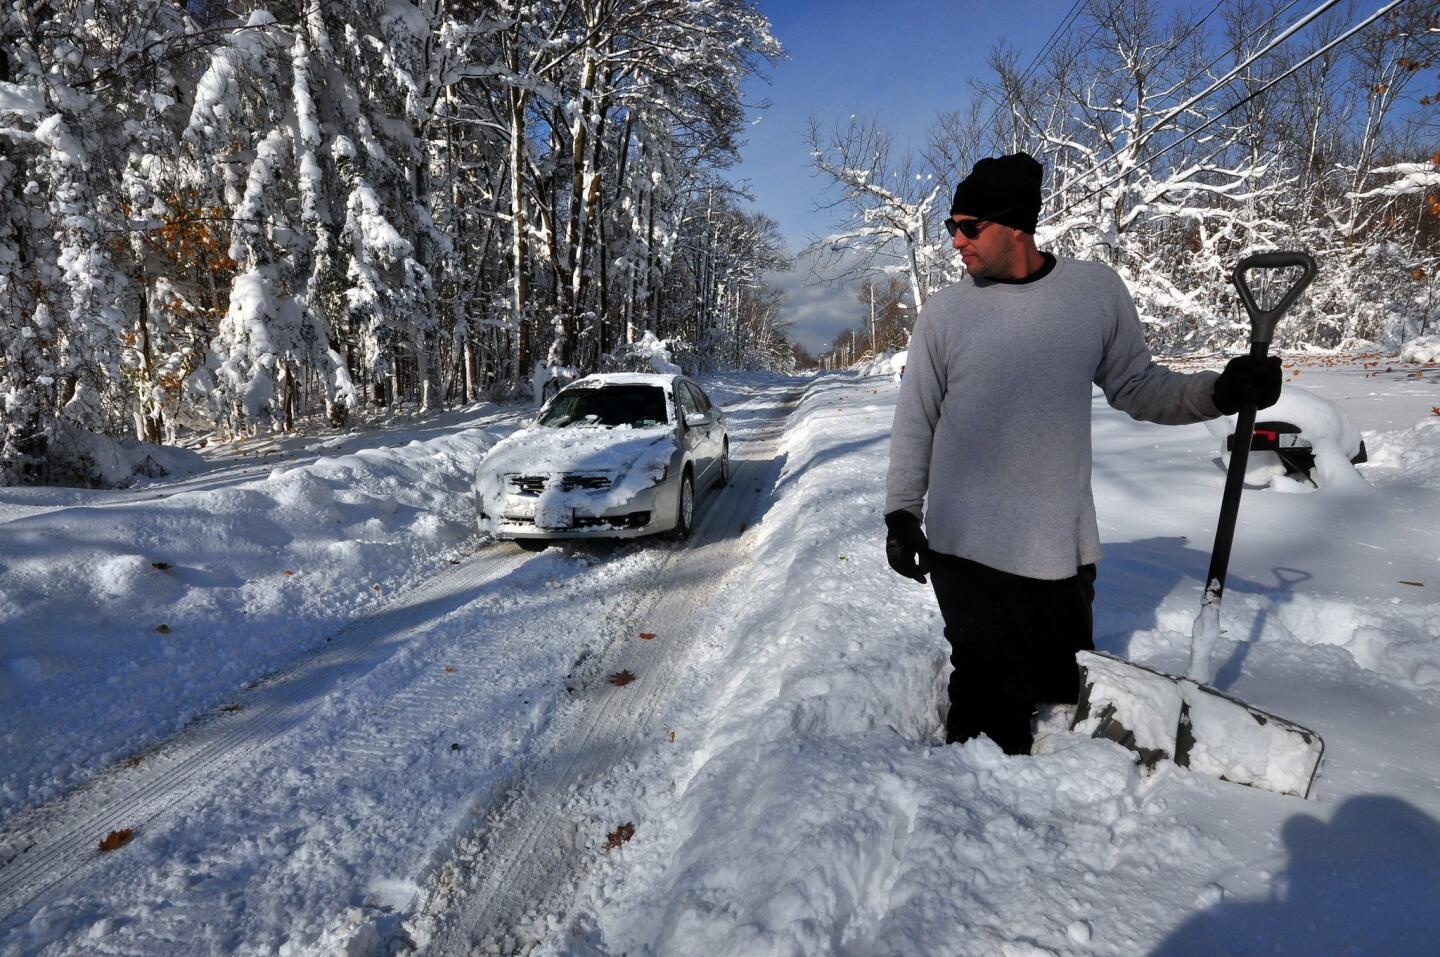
point(905, 546)
point(1248, 380)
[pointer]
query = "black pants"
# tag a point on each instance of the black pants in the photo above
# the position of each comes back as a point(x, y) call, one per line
point(1013, 642)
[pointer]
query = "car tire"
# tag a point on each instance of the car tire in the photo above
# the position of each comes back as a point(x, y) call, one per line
point(724, 478)
point(684, 508)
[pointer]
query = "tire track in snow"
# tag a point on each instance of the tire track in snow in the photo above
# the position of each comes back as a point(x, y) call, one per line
point(522, 862)
point(42, 848)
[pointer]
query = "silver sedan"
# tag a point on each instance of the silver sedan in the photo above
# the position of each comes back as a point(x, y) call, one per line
point(610, 456)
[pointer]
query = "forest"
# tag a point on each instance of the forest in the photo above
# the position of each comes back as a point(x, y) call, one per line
point(251, 216)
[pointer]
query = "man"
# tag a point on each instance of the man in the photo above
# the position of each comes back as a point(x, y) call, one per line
point(993, 424)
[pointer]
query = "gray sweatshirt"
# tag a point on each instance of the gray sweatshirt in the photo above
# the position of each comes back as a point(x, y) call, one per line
point(993, 419)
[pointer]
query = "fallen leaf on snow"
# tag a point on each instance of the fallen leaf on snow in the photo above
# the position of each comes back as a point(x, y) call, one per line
point(449, 669)
point(288, 572)
point(118, 839)
point(375, 587)
point(647, 635)
point(162, 629)
point(619, 836)
point(621, 678)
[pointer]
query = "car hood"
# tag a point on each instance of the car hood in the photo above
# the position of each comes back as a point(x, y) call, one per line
point(540, 450)
point(633, 458)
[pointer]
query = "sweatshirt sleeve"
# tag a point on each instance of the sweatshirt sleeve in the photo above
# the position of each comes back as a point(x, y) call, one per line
point(1139, 386)
point(916, 413)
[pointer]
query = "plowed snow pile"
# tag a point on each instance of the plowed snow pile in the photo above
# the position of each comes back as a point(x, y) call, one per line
point(122, 622)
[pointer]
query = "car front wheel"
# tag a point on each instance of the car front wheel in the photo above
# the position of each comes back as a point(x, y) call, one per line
point(685, 509)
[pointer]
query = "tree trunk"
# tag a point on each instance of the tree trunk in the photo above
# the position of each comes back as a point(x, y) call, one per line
point(149, 409)
point(519, 256)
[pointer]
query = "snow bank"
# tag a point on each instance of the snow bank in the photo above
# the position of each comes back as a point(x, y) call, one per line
point(80, 457)
point(888, 362)
point(898, 362)
point(1410, 455)
point(1422, 349)
point(122, 622)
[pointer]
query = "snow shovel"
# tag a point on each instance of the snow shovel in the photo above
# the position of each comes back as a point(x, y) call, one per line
point(1161, 716)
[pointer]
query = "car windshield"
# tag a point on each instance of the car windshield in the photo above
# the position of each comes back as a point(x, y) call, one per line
point(611, 405)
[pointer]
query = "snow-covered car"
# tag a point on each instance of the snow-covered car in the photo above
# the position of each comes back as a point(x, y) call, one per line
point(617, 455)
point(1303, 441)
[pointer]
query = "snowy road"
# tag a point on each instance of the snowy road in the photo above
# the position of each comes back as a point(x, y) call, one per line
point(517, 871)
point(49, 846)
point(309, 810)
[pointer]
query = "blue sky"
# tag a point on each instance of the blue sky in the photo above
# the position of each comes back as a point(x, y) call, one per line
point(903, 60)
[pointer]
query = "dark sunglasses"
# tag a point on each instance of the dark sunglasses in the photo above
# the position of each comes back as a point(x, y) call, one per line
point(969, 228)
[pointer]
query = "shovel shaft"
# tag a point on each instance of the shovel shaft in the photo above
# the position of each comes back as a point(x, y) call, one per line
point(1234, 485)
point(1262, 329)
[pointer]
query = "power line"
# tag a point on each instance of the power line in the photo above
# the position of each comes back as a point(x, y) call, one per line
point(1036, 59)
point(1234, 48)
point(1231, 109)
point(1245, 39)
point(1140, 140)
point(1050, 41)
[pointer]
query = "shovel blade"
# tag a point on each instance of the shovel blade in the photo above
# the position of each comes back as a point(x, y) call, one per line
point(1226, 738)
point(1131, 705)
point(1162, 717)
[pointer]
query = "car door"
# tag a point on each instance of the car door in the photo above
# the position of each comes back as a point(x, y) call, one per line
point(715, 428)
point(697, 438)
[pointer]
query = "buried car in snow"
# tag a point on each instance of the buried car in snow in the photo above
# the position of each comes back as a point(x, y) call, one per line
point(610, 456)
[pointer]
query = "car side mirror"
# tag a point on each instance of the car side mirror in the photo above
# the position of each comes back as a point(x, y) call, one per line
point(695, 419)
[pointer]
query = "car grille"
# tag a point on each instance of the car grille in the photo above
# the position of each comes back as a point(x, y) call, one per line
point(588, 481)
point(528, 484)
point(569, 482)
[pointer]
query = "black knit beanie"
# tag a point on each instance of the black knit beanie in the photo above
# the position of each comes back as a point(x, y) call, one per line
point(1002, 189)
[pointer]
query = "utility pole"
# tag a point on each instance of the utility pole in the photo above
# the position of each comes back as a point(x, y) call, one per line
point(873, 350)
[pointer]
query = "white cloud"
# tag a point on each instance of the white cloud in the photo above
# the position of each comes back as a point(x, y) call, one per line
point(816, 311)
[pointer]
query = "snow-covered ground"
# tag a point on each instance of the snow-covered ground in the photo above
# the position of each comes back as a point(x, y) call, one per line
point(805, 808)
point(799, 803)
point(125, 614)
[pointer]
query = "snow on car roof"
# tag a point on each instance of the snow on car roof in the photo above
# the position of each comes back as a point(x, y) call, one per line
point(624, 378)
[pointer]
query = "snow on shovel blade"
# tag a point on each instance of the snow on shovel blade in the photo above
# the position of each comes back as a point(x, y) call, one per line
point(1131, 705)
point(1161, 717)
point(1228, 739)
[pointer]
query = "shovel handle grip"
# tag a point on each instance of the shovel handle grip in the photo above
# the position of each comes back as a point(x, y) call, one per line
point(1263, 321)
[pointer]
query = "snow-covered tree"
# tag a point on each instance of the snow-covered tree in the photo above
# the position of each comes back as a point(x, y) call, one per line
point(890, 210)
